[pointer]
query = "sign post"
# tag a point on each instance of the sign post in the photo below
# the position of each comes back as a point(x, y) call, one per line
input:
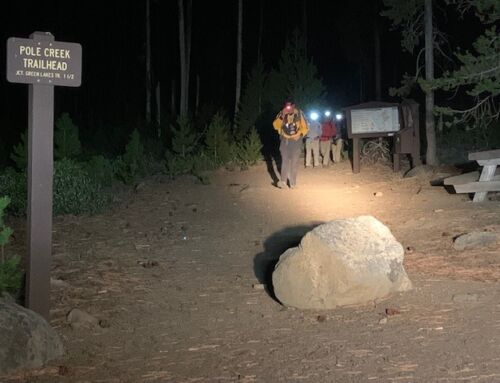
point(42, 63)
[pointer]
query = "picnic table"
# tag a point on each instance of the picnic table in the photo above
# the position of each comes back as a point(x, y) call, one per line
point(479, 183)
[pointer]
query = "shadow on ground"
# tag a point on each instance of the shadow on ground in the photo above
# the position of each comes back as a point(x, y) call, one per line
point(274, 246)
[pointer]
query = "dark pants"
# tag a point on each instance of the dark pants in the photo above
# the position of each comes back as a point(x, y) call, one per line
point(290, 153)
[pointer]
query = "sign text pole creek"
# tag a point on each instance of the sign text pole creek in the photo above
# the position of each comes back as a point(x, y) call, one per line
point(42, 63)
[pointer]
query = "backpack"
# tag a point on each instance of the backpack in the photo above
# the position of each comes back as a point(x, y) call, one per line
point(290, 124)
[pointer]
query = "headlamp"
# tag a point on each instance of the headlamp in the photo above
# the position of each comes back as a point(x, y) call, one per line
point(314, 116)
point(339, 116)
point(328, 113)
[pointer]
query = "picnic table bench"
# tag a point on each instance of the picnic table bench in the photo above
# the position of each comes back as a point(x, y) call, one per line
point(479, 183)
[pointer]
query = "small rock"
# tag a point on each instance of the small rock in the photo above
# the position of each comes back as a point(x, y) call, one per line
point(103, 323)
point(139, 186)
point(445, 234)
point(321, 318)
point(476, 239)
point(392, 311)
point(409, 249)
point(78, 318)
point(378, 194)
point(258, 286)
point(383, 320)
point(438, 210)
point(58, 283)
point(465, 298)
point(148, 264)
point(63, 370)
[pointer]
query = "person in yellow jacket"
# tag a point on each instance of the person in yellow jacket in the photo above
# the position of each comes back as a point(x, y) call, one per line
point(292, 127)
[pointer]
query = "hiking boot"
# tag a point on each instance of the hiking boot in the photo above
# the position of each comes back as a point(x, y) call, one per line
point(281, 184)
point(293, 186)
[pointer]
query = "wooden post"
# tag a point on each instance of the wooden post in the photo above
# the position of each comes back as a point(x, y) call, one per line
point(64, 70)
point(355, 154)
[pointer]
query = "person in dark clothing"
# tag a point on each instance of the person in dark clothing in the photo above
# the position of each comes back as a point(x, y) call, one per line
point(328, 132)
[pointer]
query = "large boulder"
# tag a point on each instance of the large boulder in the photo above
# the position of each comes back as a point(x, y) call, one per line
point(26, 339)
point(342, 262)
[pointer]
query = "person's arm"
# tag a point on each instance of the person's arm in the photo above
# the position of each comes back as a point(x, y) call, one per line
point(304, 128)
point(278, 123)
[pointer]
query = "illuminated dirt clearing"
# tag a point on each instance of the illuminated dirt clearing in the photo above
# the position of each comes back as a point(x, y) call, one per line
point(170, 273)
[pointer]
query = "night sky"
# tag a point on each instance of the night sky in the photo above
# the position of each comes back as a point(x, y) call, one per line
point(112, 34)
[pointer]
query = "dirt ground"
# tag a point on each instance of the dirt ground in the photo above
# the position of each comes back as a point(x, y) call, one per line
point(173, 273)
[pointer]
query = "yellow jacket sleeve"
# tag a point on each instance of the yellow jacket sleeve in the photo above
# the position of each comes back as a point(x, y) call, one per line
point(278, 123)
point(304, 128)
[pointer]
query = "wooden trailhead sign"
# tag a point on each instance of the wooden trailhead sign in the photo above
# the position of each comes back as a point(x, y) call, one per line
point(42, 63)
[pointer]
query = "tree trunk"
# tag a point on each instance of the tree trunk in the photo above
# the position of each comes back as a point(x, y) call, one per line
point(261, 32)
point(158, 109)
point(304, 22)
point(188, 49)
point(361, 84)
point(197, 100)
point(148, 62)
point(431, 157)
point(173, 105)
point(238, 58)
point(377, 59)
point(182, 55)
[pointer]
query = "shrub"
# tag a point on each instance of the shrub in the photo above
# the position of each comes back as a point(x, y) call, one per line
point(177, 165)
point(100, 169)
point(183, 137)
point(130, 164)
point(10, 273)
point(20, 152)
point(66, 141)
point(249, 151)
point(180, 158)
point(11, 276)
point(75, 192)
point(14, 184)
point(5, 232)
point(218, 147)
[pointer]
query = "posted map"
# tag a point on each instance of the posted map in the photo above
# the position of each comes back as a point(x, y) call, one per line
point(376, 120)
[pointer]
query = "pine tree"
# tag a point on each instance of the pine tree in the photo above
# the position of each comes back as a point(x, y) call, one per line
point(130, 164)
point(251, 101)
point(478, 71)
point(414, 18)
point(296, 77)
point(66, 141)
point(250, 150)
point(183, 137)
point(217, 140)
